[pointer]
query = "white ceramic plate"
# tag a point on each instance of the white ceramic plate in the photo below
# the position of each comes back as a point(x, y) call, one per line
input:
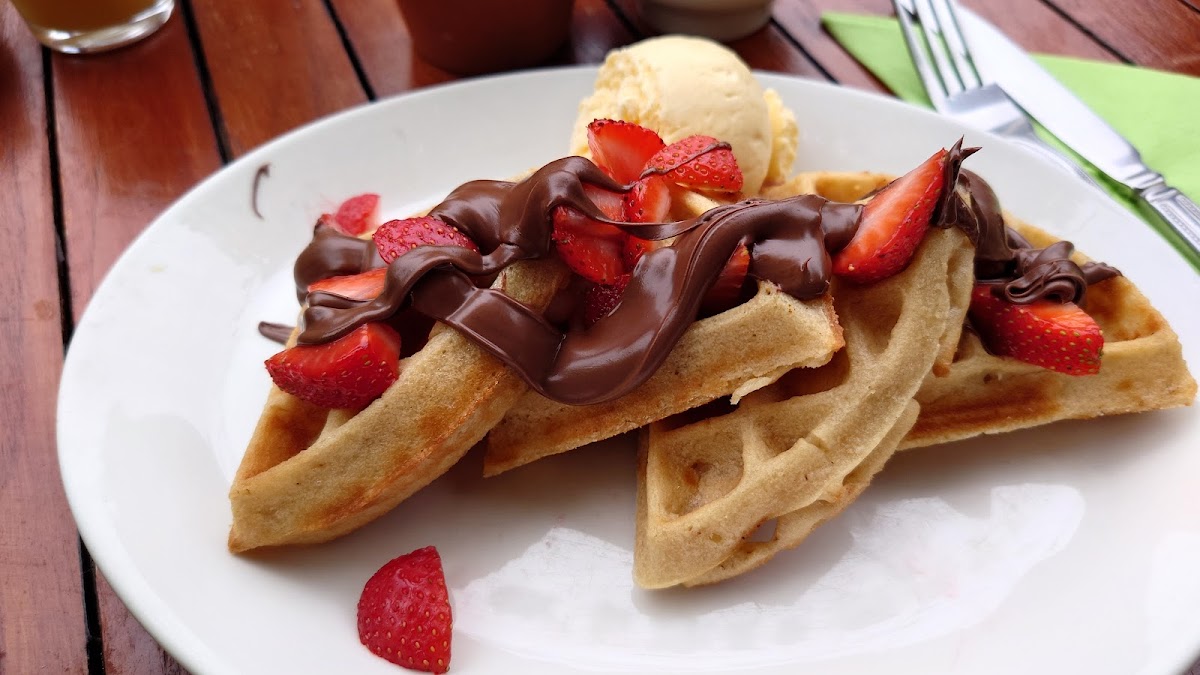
point(1073, 548)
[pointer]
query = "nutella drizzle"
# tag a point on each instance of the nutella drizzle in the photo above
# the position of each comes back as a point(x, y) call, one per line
point(276, 332)
point(263, 171)
point(1007, 261)
point(790, 242)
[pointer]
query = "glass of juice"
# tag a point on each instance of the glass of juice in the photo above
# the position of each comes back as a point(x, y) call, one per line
point(82, 26)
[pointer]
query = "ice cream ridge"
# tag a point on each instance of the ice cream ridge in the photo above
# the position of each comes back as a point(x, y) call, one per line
point(775, 338)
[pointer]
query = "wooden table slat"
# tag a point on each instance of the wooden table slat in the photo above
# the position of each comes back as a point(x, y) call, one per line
point(42, 624)
point(1039, 28)
point(275, 65)
point(802, 21)
point(1163, 34)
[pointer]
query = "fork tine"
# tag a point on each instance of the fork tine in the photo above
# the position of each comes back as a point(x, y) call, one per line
point(952, 31)
point(906, 13)
point(937, 46)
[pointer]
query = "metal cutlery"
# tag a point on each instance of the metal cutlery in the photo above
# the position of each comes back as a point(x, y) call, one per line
point(990, 83)
point(1045, 99)
point(955, 88)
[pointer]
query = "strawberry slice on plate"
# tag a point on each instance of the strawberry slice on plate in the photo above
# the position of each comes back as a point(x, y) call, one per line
point(396, 237)
point(1058, 336)
point(357, 214)
point(404, 612)
point(364, 286)
point(698, 162)
point(893, 224)
point(349, 372)
point(621, 148)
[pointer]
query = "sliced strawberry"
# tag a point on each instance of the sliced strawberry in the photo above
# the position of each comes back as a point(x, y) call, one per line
point(592, 249)
point(636, 247)
point(611, 204)
point(622, 148)
point(726, 291)
point(893, 224)
point(1058, 336)
point(363, 286)
point(357, 214)
point(601, 299)
point(396, 237)
point(648, 201)
point(404, 612)
point(698, 162)
point(349, 372)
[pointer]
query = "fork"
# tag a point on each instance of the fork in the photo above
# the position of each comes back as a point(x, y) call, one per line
point(944, 64)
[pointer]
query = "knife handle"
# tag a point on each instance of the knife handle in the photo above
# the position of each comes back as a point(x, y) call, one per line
point(1179, 212)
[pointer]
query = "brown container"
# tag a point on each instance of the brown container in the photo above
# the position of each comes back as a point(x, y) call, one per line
point(470, 37)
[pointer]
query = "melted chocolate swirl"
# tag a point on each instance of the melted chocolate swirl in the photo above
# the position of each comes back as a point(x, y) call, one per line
point(790, 240)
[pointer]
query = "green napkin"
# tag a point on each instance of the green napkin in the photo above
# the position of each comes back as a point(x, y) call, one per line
point(1154, 110)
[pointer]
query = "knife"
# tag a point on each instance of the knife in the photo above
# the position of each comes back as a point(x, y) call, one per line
point(1000, 60)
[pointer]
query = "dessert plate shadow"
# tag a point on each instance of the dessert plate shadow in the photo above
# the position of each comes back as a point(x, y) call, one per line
point(1071, 548)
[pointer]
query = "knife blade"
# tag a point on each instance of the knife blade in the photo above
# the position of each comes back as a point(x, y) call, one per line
point(1001, 61)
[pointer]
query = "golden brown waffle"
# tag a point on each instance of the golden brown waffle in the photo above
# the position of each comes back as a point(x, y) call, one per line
point(311, 474)
point(814, 438)
point(733, 352)
point(967, 392)
point(1142, 368)
point(770, 335)
point(979, 393)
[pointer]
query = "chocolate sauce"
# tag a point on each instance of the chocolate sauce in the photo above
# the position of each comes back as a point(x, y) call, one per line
point(513, 221)
point(790, 242)
point(263, 171)
point(275, 332)
point(1003, 258)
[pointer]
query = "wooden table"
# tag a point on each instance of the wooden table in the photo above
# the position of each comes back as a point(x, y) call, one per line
point(93, 148)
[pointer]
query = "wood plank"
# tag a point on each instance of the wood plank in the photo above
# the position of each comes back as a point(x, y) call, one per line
point(134, 134)
point(1039, 28)
point(801, 19)
point(1034, 25)
point(767, 49)
point(1163, 34)
point(42, 624)
point(128, 648)
point(275, 65)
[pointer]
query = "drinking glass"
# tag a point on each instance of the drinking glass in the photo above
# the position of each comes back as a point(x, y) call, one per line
point(81, 26)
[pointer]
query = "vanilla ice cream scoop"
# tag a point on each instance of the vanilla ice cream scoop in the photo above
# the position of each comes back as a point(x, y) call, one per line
point(679, 86)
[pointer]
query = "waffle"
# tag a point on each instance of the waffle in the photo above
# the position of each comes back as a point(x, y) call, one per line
point(815, 437)
point(770, 334)
point(967, 392)
point(311, 474)
point(1142, 369)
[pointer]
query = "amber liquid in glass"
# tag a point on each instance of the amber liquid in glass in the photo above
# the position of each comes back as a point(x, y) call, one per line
point(80, 15)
